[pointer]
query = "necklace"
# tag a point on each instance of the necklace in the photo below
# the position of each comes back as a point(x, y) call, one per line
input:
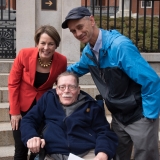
point(44, 65)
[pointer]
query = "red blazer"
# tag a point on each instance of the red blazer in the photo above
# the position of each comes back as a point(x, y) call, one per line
point(21, 79)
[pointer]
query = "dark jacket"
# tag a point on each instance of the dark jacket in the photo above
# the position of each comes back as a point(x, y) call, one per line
point(86, 128)
point(130, 87)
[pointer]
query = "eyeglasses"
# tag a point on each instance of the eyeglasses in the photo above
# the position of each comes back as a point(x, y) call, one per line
point(70, 87)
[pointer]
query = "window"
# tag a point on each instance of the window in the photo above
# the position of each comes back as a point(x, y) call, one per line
point(147, 3)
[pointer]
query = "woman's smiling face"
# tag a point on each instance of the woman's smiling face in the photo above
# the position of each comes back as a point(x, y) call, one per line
point(46, 46)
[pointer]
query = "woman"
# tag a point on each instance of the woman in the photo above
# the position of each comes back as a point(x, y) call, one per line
point(34, 71)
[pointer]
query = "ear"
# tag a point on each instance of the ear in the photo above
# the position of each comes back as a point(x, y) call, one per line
point(57, 90)
point(92, 20)
point(79, 88)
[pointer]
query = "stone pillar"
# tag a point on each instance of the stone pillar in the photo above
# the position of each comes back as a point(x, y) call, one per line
point(30, 17)
point(25, 24)
point(70, 45)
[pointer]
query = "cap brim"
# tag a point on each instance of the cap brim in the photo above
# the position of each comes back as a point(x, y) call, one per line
point(65, 23)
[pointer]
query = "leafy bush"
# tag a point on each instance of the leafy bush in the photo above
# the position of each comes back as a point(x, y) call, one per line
point(148, 34)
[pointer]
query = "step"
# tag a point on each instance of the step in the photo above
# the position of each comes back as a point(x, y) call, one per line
point(90, 89)
point(4, 112)
point(5, 66)
point(3, 94)
point(6, 137)
point(6, 152)
point(152, 58)
point(4, 79)
point(84, 80)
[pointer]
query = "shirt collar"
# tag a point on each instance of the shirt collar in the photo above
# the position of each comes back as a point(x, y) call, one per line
point(98, 44)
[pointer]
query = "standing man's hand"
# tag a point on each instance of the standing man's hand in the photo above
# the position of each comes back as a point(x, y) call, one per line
point(35, 143)
point(15, 121)
point(101, 156)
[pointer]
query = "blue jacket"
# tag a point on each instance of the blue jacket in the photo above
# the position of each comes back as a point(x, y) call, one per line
point(86, 128)
point(130, 87)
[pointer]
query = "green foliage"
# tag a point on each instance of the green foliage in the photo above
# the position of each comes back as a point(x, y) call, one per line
point(146, 31)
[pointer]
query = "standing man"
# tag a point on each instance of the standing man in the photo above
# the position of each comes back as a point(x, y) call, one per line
point(129, 86)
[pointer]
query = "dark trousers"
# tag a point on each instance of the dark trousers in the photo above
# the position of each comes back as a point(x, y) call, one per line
point(21, 151)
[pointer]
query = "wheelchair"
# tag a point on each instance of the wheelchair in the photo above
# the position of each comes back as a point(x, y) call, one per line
point(41, 155)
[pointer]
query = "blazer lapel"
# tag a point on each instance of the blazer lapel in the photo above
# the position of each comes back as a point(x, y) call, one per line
point(32, 66)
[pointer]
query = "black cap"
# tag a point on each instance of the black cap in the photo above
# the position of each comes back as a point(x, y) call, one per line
point(75, 13)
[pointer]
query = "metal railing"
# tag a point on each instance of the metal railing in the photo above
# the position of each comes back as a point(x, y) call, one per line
point(7, 31)
point(104, 10)
point(133, 18)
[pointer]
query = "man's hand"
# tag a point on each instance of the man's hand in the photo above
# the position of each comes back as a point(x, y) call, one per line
point(35, 143)
point(15, 121)
point(101, 156)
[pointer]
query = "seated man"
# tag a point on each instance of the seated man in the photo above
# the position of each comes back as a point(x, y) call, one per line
point(74, 123)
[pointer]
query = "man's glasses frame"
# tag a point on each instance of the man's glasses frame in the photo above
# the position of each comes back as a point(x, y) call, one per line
point(70, 87)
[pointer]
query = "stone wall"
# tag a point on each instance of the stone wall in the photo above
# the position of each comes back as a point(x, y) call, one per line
point(30, 17)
